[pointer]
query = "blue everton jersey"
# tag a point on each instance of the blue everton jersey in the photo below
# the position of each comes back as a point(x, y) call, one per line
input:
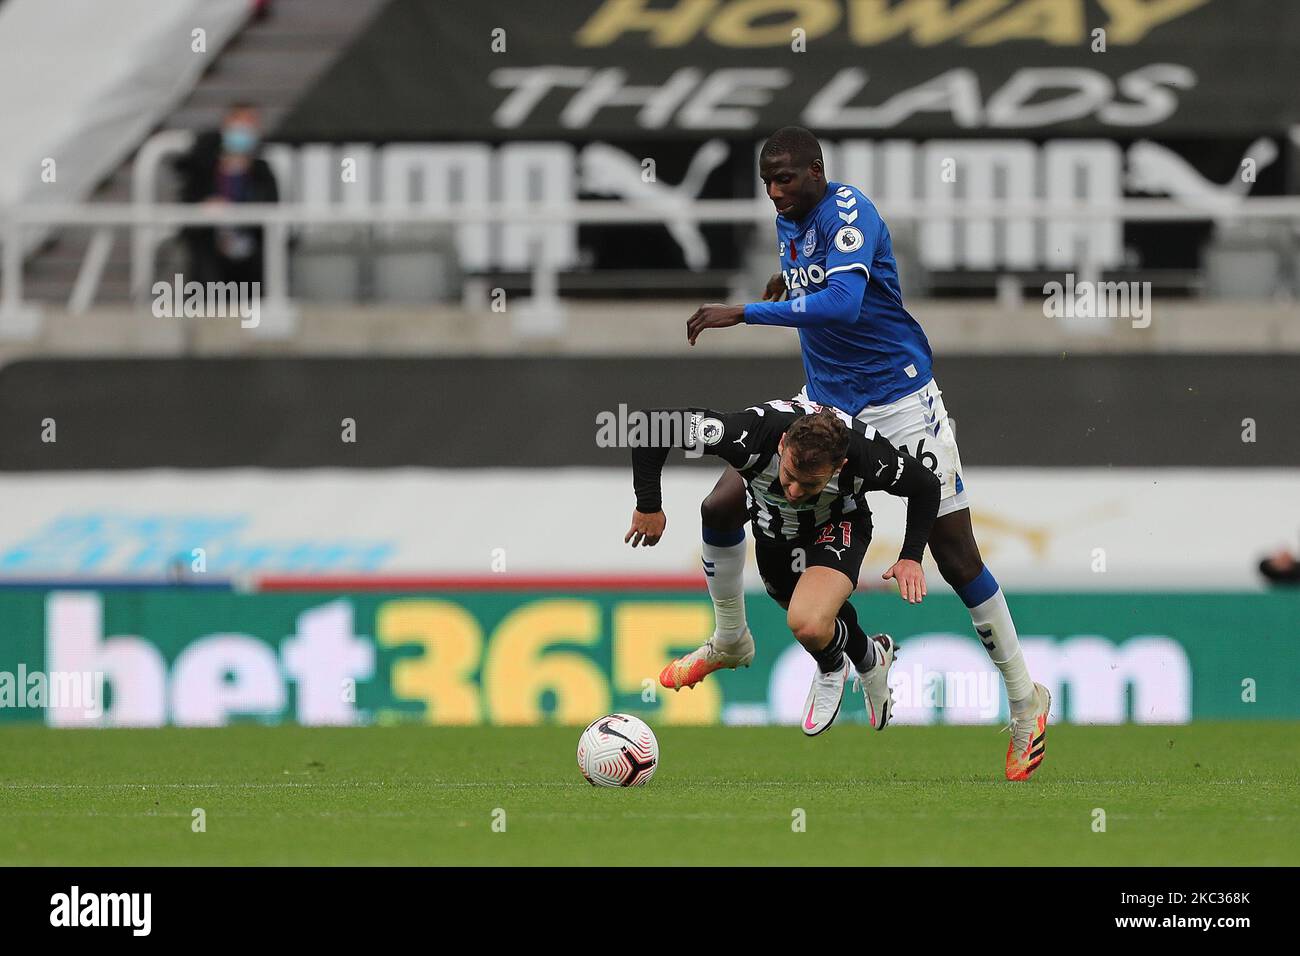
point(884, 354)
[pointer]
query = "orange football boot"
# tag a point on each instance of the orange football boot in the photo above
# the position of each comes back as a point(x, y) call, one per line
point(689, 670)
point(1029, 737)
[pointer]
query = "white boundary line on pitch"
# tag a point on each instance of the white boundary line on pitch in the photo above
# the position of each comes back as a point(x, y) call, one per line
point(557, 783)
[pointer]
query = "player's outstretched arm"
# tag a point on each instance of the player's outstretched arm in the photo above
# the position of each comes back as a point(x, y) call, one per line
point(840, 303)
point(895, 471)
point(701, 430)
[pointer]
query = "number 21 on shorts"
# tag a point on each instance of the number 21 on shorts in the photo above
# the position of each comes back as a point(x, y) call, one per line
point(828, 533)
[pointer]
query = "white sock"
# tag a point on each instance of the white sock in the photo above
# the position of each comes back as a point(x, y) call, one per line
point(724, 569)
point(997, 633)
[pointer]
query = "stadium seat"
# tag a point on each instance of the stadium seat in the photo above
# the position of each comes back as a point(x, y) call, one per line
point(1244, 264)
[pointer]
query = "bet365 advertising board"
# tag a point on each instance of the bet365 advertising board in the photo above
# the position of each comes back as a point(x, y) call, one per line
point(197, 657)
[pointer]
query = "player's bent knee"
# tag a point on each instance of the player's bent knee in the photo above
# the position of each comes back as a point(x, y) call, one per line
point(724, 507)
point(955, 552)
point(958, 563)
point(959, 571)
point(721, 515)
point(812, 631)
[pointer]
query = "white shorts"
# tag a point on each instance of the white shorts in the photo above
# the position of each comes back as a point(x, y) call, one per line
point(919, 423)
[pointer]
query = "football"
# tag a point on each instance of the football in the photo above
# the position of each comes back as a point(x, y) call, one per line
point(618, 750)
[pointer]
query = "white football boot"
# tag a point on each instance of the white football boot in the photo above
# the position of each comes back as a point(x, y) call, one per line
point(875, 682)
point(708, 657)
point(824, 696)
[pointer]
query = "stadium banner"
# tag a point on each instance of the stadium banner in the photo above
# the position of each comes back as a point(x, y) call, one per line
point(1046, 529)
point(152, 657)
point(947, 171)
point(915, 101)
point(695, 68)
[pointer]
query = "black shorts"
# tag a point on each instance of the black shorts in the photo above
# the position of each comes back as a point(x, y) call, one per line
point(841, 545)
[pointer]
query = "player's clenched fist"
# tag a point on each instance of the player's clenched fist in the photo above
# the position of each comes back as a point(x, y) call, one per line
point(775, 290)
point(646, 529)
point(910, 578)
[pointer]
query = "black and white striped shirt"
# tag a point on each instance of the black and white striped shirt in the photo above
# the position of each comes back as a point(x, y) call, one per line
point(748, 441)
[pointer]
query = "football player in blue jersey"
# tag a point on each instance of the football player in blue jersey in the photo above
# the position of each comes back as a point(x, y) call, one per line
point(862, 352)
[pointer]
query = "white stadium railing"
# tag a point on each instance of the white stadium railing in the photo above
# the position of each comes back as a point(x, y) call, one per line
point(149, 223)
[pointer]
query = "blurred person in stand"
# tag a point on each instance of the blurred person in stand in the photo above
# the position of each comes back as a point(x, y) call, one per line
point(222, 167)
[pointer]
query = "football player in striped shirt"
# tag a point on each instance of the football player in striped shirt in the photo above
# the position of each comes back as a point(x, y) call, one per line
point(865, 353)
point(807, 470)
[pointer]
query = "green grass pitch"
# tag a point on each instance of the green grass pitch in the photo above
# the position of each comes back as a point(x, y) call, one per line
point(1203, 794)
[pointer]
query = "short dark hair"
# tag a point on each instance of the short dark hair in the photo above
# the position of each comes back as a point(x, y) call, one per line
point(793, 141)
point(817, 440)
